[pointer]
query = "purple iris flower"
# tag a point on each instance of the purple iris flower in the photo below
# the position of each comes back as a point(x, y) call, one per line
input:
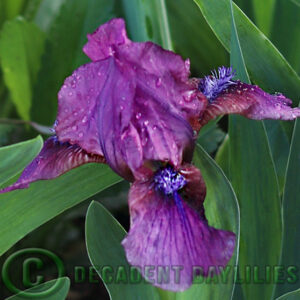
point(135, 108)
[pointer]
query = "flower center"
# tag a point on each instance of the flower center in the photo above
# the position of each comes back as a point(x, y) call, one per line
point(211, 86)
point(169, 181)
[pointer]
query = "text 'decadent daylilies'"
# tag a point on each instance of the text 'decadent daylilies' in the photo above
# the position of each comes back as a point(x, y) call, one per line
point(135, 108)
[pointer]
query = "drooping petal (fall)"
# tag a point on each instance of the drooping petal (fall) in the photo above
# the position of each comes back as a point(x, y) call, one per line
point(170, 241)
point(227, 96)
point(54, 159)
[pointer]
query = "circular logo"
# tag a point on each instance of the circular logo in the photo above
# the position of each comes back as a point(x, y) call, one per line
point(35, 254)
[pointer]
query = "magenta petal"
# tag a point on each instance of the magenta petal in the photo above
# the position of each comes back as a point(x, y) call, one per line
point(136, 126)
point(251, 102)
point(158, 70)
point(165, 75)
point(78, 98)
point(195, 189)
point(102, 43)
point(165, 236)
point(134, 104)
point(54, 159)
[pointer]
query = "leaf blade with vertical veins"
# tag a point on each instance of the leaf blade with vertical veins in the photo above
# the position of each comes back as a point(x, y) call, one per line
point(59, 292)
point(22, 211)
point(148, 20)
point(254, 191)
point(14, 158)
point(21, 47)
point(290, 255)
point(103, 240)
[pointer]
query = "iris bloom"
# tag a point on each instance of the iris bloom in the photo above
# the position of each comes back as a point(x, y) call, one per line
point(135, 108)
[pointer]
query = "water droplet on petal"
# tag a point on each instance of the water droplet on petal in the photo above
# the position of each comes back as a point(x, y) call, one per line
point(158, 82)
point(144, 141)
point(80, 134)
point(84, 120)
point(138, 116)
point(74, 128)
point(188, 95)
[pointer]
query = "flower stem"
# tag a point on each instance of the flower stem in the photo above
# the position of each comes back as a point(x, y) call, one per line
point(38, 127)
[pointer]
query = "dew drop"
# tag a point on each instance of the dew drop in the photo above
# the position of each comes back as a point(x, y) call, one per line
point(188, 95)
point(144, 141)
point(74, 128)
point(138, 116)
point(158, 82)
point(84, 120)
point(80, 134)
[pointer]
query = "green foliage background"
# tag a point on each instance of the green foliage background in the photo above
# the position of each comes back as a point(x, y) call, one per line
point(251, 168)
